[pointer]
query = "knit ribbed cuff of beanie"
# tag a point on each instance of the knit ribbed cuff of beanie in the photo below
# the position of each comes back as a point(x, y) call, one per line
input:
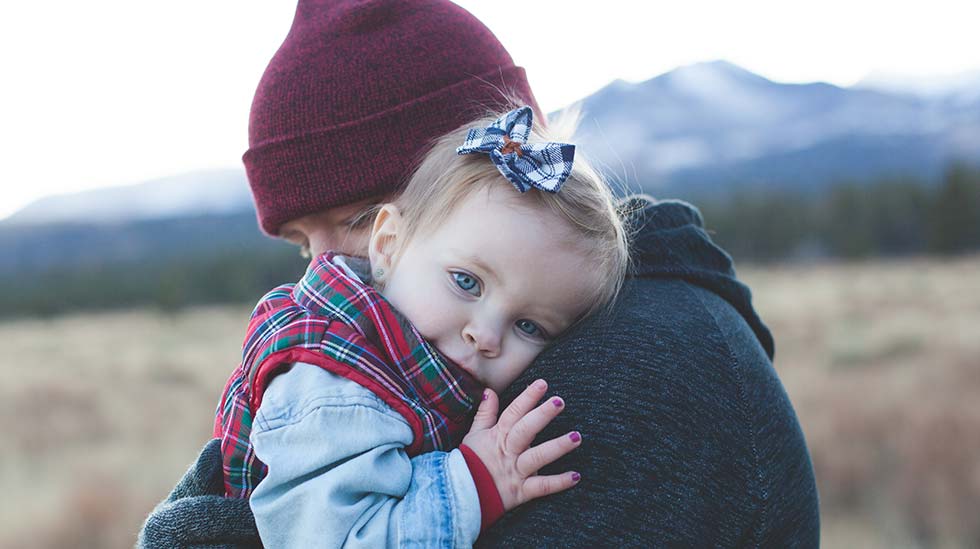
point(491, 506)
point(297, 175)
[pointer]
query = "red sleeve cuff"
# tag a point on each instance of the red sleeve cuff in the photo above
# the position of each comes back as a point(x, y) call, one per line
point(491, 506)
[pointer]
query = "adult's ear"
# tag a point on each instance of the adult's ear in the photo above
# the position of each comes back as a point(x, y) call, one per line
point(384, 244)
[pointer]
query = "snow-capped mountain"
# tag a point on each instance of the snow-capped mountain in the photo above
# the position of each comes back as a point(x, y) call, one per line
point(712, 126)
point(704, 128)
point(197, 193)
point(961, 87)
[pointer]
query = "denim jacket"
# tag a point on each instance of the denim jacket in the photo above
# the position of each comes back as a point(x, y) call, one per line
point(339, 475)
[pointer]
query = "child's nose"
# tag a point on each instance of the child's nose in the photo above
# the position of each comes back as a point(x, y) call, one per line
point(486, 340)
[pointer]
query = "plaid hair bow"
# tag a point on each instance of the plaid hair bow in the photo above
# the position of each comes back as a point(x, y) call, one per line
point(542, 165)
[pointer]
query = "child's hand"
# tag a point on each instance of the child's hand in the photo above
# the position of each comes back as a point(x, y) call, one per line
point(504, 446)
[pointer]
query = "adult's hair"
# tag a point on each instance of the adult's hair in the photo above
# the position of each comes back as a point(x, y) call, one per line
point(356, 92)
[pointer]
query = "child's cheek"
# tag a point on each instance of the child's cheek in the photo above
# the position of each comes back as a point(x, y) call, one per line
point(519, 364)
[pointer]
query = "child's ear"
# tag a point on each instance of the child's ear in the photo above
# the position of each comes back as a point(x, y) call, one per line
point(383, 247)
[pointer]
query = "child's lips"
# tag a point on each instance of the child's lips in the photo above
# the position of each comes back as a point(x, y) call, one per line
point(466, 364)
point(472, 382)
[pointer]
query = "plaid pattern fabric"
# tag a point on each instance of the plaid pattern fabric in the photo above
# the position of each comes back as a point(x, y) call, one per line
point(545, 166)
point(334, 321)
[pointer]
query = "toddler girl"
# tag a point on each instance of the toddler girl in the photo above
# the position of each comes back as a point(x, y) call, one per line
point(358, 383)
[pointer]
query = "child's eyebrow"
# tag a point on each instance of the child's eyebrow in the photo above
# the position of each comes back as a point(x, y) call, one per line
point(476, 260)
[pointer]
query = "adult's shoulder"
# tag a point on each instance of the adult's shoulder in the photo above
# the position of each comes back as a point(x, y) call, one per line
point(667, 342)
point(669, 243)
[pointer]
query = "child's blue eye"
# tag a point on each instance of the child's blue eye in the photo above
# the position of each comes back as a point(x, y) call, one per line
point(467, 283)
point(530, 328)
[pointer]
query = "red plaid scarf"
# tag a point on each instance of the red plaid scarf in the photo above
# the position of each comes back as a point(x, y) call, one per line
point(332, 320)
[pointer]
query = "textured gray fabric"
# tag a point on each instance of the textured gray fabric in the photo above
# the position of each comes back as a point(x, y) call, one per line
point(196, 515)
point(689, 439)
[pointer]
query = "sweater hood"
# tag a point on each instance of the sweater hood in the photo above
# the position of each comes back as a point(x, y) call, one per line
point(669, 242)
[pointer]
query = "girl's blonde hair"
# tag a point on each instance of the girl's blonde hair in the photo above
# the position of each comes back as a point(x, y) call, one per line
point(443, 179)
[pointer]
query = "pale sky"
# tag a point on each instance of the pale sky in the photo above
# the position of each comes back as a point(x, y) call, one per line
point(104, 92)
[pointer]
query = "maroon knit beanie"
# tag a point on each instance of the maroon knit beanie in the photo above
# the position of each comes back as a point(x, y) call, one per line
point(356, 92)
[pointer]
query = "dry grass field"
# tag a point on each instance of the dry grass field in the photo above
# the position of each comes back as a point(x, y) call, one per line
point(102, 412)
point(882, 362)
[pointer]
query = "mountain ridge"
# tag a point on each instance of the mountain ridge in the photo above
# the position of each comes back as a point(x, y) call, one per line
point(706, 127)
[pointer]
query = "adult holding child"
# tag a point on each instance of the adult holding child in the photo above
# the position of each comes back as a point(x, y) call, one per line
point(689, 438)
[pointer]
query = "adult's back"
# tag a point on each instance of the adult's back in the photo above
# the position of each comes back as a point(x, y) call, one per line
point(689, 436)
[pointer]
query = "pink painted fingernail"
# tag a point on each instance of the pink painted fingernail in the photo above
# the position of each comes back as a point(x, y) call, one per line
point(576, 477)
point(486, 394)
point(575, 436)
point(557, 402)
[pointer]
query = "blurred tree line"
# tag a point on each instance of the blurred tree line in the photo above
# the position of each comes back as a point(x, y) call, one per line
point(176, 263)
point(885, 218)
point(165, 264)
point(238, 277)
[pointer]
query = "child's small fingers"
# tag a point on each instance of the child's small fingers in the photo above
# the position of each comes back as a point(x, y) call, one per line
point(545, 485)
point(534, 459)
point(521, 405)
point(486, 414)
point(522, 434)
